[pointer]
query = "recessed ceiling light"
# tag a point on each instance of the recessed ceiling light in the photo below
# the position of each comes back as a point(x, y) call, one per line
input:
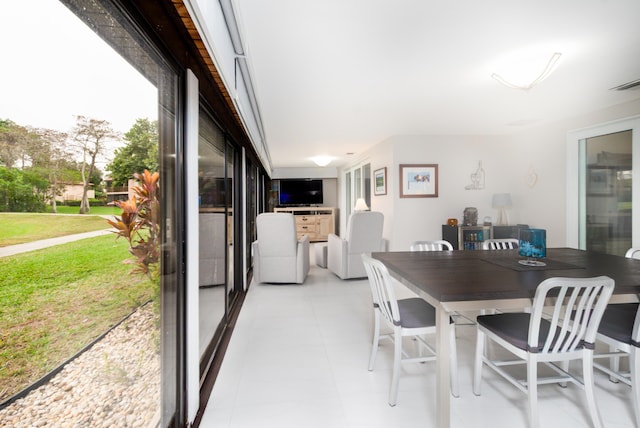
point(322, 160)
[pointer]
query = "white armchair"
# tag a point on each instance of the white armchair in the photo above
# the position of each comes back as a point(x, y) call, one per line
point(278, 255)
point(364, 235)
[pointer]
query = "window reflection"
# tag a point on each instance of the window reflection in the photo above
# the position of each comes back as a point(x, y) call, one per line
point(212, 195)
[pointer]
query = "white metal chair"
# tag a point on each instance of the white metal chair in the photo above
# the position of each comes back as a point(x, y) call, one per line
point(568, 335)
point(412, 317)
point(620, 329)
point(633, 253)
point(500, 244)
point(439, 245)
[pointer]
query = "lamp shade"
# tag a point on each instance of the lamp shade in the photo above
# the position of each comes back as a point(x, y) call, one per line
point(361, 205)
point(501, 200)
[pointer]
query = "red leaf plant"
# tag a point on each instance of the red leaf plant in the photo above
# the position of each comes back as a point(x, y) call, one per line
point(138, 223)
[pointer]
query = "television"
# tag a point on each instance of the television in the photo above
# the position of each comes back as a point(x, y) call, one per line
point(300, 192)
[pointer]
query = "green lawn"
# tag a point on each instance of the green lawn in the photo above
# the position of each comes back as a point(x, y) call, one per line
point(100, 210)
point(55, 301)
point(17, 228)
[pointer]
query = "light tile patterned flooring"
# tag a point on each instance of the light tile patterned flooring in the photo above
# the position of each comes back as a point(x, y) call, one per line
point(298, 359)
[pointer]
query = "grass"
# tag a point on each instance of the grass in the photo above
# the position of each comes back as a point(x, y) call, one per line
point(18, 228)
point(55, 301)
point(99, 210)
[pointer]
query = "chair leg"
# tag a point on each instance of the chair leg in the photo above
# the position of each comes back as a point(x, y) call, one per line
point(477, 367)
point(614, 363)
point(397, 361)
point(532, 391)
point(453, 362)
point(376, 338)
point(565, 366)
point(634, 365)
point(589, 388)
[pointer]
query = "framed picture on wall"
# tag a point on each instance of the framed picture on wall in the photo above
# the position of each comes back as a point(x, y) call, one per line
point(380, 181)
point(419, 181)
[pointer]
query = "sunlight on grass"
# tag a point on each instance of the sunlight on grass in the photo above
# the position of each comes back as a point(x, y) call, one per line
point(53, 302)
point(17, 228)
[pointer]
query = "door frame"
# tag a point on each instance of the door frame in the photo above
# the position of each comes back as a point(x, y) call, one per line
point(576, 178)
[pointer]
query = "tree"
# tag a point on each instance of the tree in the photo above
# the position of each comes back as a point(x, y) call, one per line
point(140, 152)
point(14, 140)
point(53, 155)
point(91, 136)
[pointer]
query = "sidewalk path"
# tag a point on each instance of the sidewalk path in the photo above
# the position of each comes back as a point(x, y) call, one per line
point(44, 243)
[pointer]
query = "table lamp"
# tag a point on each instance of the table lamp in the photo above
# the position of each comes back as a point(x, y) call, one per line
point(502, 201)
point(361, 205)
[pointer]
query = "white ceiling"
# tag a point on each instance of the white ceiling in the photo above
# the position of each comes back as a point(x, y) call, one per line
point(339, 76)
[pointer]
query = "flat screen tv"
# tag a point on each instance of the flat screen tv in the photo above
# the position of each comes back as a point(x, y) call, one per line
point(301, 192)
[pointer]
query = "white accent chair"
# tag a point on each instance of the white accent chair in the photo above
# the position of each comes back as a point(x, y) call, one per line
point(500, 244)
point(569, 334)
point(411, 317)
point(278, 255)
point(212, 248)
point(364, 235)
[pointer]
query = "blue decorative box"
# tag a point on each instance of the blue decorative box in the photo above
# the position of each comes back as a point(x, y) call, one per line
point(533, 243)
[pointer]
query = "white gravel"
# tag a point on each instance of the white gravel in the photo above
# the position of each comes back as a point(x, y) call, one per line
point(116, 383)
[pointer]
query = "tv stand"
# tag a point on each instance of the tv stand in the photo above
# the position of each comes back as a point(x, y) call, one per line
point(315, 222)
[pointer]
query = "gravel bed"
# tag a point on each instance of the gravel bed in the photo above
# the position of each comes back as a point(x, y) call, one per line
point(116, 383)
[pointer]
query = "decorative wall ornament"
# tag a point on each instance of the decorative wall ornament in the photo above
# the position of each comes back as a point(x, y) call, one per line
point(477, 179)
point(531, 178)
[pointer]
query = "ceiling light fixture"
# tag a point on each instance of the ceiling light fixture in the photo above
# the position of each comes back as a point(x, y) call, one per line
point(322, 160)
point(551, 66)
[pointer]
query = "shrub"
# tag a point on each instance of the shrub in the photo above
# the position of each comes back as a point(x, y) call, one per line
point(139, 225)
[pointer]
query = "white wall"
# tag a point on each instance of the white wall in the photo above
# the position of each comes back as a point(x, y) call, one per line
point(511, 163)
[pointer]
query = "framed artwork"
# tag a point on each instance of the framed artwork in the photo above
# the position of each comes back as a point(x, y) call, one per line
point(600, 181)
point(380, 181)
point(419, 181)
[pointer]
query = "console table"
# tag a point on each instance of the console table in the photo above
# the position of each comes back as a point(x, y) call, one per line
point(315, 222)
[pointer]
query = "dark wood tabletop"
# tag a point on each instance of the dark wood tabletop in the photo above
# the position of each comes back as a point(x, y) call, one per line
point(453, 276)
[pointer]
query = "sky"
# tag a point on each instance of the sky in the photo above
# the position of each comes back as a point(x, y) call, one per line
point(54, 67)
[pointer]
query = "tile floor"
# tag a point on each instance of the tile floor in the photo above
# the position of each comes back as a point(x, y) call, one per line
point(298, 358)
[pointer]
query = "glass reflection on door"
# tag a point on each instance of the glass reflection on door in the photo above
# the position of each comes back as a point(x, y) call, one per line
point(608, 193)
point(212, 195)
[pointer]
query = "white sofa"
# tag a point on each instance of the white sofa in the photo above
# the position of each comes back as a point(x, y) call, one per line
point(364, 235)
point(278, 256)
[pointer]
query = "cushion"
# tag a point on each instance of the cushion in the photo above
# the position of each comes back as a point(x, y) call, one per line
point(416, 312)
point(617, 321)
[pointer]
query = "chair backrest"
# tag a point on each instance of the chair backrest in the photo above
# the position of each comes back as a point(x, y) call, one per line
point(276, 234)
point(500, 244)
point(576, 314)
point(439, 245)
point(364, 231)
point(633, 253)
point(382, 291)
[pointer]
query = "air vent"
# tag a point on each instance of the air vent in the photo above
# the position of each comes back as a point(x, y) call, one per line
point(628, 85)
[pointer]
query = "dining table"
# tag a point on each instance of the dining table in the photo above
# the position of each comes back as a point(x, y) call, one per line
point(460, 281)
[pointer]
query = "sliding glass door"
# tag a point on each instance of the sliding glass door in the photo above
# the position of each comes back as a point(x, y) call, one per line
point(609, 186)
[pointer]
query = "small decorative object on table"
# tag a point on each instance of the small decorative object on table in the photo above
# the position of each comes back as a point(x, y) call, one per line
point(533, 245)
point(470, 216)
point(452, 222)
